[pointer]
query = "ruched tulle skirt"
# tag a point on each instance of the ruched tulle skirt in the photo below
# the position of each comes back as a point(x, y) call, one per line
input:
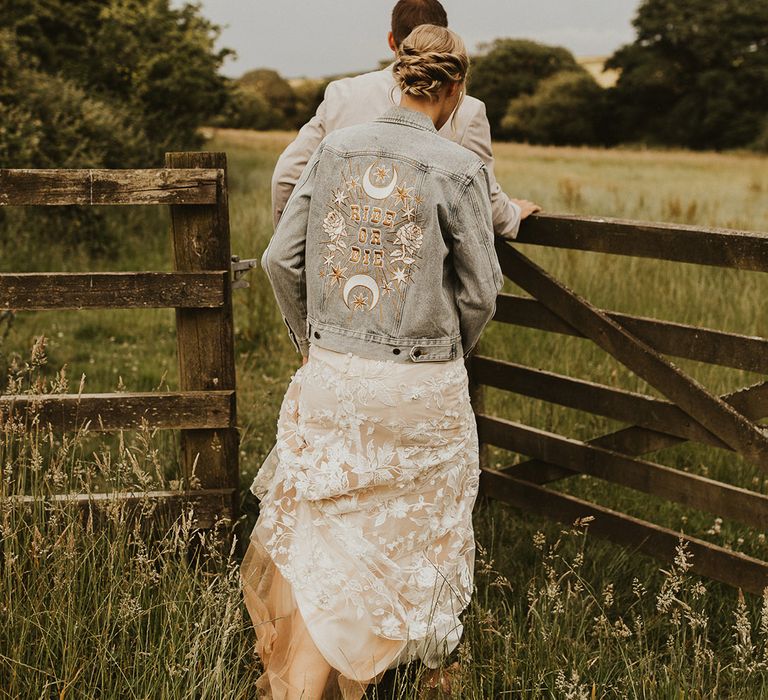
point(362, 556)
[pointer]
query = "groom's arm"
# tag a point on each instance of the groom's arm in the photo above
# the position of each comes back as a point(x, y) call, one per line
point(294, 158)
point(477, 138)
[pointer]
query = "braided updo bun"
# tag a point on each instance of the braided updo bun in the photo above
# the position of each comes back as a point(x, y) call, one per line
point(429, 58)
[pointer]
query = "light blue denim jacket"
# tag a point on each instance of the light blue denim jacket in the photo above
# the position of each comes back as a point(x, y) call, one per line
point(385, 247)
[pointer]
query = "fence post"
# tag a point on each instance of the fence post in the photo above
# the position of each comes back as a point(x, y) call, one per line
point(205, 337)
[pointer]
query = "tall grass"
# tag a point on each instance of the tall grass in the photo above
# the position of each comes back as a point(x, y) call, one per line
point(113, 606)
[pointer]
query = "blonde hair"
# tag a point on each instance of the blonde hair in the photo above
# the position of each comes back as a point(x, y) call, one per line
point(429, 58)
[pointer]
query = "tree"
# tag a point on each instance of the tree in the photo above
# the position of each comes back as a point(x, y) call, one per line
point(153, 67)
point(566, 109)
point(261, 99)
point(508, 68)
point(101, 83)
point(696, 75)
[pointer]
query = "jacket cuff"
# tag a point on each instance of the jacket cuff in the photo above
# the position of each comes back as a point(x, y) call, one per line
point(301, 344)
point(512, 225)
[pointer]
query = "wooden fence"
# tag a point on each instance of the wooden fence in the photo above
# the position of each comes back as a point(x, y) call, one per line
point(199, 288)
point(690, 413)
point(194, 185)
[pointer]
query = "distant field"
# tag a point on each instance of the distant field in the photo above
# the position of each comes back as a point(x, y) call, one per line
point(556, 614)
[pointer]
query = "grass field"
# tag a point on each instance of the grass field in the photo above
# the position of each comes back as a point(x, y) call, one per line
point(558, 614)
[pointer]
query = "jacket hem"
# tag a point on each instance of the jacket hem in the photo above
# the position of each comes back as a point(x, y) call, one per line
point(376, 348)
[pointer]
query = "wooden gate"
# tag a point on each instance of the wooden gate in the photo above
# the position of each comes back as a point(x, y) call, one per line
point(691, 413)
point(199, 288)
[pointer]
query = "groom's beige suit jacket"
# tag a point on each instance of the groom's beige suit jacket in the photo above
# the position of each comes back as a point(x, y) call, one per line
point(363, 98)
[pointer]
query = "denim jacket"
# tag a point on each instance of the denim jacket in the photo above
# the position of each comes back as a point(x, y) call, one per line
point(385, 247)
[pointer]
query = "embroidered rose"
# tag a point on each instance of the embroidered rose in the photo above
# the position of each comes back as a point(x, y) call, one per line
point(410, 237)
point(334, 226)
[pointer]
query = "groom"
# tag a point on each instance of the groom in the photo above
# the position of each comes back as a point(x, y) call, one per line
point(364, 97)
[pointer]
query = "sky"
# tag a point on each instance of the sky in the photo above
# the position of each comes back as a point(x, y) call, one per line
point(316, 38)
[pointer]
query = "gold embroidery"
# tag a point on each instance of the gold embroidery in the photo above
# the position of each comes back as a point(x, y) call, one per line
point(337, 273)
point(381, 263)
point(403, 194)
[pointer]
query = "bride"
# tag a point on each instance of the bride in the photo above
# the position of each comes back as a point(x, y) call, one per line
point(384, 269)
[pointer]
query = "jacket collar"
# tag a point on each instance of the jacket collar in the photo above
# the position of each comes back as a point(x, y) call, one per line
point(409, 117)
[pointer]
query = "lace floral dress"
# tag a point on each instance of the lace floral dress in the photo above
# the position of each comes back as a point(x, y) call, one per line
point(364, 549)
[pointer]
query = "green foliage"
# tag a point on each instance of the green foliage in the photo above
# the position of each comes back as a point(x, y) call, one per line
point(110, 83)
point(566, 109)
point(508, 68)
point(697, 74)
point(99, 83)
point(259, 99)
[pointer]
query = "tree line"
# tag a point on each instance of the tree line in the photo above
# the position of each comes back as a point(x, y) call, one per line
point(696, 76)
point(115, 83)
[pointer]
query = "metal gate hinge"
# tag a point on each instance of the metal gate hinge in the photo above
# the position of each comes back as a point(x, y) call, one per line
point(239, 269)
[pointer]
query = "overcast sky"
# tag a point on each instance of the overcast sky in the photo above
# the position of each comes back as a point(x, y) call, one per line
point(315, 38)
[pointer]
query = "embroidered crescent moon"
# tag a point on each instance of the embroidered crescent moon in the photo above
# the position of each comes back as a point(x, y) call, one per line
point(379, 192)
point(362, 281)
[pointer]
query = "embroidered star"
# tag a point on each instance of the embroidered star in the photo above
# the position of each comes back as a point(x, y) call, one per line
point(381, 174)
point(353, 183)
point(339, 196)
point(418, 200)
point(387, 288)
point(328, 259)
point(360, 301)
point(322, 272)
point(403, 194)
point(337, 273)
point(400, 275)
point(408, 212)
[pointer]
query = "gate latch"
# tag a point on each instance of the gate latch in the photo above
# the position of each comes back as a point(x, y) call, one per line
point(240, 268)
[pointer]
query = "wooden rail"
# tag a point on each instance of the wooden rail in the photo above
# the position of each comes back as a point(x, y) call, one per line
point(67, 187)
point(126, 410)
point(676, 339)
point(741, 250)
point(199, 288)
point(688, 411)
point(33, 291)
point(206, 505)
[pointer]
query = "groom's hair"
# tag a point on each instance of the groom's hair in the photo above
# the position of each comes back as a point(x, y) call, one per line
point(409, 14)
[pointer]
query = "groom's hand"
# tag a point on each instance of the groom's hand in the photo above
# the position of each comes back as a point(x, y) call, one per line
point(526, 208)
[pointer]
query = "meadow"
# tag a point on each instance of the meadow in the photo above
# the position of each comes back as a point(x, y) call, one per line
point(117, 612)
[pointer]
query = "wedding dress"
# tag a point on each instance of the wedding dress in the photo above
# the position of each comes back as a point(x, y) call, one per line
point(364, 548)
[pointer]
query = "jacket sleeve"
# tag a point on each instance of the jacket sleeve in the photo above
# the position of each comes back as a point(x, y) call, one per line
point(294, 158)
point(478, 273)
point(284, 258)
point(477, 138)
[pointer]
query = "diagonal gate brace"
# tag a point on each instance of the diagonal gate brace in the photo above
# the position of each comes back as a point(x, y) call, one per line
point(636, 440)
point(717, 416)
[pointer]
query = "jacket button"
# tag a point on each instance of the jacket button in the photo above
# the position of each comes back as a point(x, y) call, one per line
point(416, 352)
point(396, 351)
point(317, 335)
